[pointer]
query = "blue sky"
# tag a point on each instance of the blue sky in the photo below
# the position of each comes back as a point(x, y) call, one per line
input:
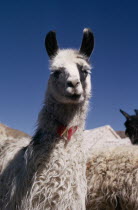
point(24, 62)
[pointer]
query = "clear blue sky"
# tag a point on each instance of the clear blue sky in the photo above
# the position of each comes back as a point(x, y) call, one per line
point(24, 62)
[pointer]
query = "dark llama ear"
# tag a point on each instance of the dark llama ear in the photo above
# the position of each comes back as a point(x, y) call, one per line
point(128, 117)
point(136, 111)
point(51, 44)
point(87, 44)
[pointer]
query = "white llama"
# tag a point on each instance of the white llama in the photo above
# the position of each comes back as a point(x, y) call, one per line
point(49, 173)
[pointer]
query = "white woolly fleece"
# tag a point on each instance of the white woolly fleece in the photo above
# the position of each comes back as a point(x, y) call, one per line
point(112, 176)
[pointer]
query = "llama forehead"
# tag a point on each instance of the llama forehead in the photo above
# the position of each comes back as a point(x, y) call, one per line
point(69, 59)
point(133, 121)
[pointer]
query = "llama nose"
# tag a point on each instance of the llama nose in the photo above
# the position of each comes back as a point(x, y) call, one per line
point(73, 83)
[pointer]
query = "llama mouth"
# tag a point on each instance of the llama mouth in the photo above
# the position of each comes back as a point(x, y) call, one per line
point(74, 96)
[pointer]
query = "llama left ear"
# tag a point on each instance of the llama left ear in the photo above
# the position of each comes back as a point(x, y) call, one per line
point(136, 111)
point(127, 116)
point(51, 44)
point(87, 42)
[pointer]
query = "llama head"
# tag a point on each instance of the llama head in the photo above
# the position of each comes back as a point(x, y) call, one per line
point(69, 80)
point(136, 111)
point(131, 125)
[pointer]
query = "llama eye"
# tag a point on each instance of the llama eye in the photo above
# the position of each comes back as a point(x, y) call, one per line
point(84, 74)
point(56, 73)
point(83, 71)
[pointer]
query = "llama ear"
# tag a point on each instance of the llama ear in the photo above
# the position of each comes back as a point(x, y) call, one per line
point(128, 117)
point(136, 111)
point(87, 44)
point(51, 44)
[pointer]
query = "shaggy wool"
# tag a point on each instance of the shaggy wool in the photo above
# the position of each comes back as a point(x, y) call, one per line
point(112, 176)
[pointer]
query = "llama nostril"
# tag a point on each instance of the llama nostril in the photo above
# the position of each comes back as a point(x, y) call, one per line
point(73, 83)
point(70, 84)
point(77, 83)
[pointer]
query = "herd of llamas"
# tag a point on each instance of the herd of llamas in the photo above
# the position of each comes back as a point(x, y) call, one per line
point(52, 171)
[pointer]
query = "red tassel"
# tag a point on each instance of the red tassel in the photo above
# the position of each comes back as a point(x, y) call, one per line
point(61, 129)
point(68, 133)
point(71, 131)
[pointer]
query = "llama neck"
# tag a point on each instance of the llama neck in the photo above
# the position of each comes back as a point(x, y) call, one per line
point(55, 114)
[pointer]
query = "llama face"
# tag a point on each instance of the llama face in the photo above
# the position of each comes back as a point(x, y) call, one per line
point(132, 129)
point(70, 77)
point(70, 70)
point(131, 125)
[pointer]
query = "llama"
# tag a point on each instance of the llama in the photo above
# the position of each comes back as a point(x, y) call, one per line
point(112, 179)
point(136, 111)
point(50, 173)
point(131, 126)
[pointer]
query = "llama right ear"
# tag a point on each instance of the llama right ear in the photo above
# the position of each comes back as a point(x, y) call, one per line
point(128, 117)
point(51, 44)
point(136, 111)
point(87, 42)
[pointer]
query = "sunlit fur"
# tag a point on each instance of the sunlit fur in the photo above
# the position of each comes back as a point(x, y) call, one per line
point(9, 146)
point(112, 176)
point(50, 173)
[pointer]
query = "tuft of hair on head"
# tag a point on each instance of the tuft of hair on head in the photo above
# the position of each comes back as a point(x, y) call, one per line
point(51, 44)
point(127, 116)
point(87, 44)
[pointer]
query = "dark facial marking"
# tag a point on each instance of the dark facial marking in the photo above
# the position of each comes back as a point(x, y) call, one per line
point(57, 72)
point(83, 72)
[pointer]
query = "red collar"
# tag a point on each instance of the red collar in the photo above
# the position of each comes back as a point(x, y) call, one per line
point(63, 131)
point(66, 132)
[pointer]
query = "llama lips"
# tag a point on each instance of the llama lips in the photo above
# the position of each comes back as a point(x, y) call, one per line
point(74, 96)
